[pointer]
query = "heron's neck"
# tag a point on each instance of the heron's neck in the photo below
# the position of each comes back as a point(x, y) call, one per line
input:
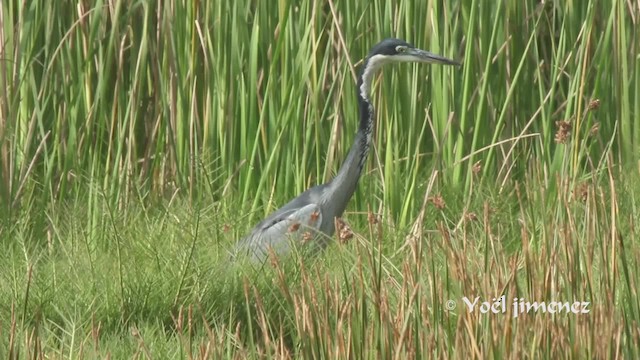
point(345, 182)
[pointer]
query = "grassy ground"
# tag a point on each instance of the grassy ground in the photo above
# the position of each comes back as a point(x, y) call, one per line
point(139, 140)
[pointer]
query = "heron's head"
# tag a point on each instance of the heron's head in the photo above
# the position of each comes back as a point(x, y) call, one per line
point(393, 51)
point(397, 50)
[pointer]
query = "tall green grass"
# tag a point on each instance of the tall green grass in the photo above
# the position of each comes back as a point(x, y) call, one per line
point(139, 139)
point(149, 97)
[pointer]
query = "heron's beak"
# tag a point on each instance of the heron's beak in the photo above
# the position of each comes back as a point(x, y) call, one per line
point(431, 58)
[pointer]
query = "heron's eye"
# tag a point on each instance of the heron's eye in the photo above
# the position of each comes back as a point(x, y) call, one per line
point(400, 49)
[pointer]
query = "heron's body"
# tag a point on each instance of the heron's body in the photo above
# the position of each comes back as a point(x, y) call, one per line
point(310, 217)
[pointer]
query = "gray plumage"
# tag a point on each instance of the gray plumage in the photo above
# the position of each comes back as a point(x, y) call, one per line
point(310, 218)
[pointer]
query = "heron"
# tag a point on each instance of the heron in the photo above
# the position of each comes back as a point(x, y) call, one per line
point(310, 218)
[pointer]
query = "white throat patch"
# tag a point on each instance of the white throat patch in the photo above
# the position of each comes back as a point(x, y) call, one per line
point(375, 62)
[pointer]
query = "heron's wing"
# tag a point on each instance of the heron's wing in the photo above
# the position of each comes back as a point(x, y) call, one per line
point(280, 231)
point(309, 197)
